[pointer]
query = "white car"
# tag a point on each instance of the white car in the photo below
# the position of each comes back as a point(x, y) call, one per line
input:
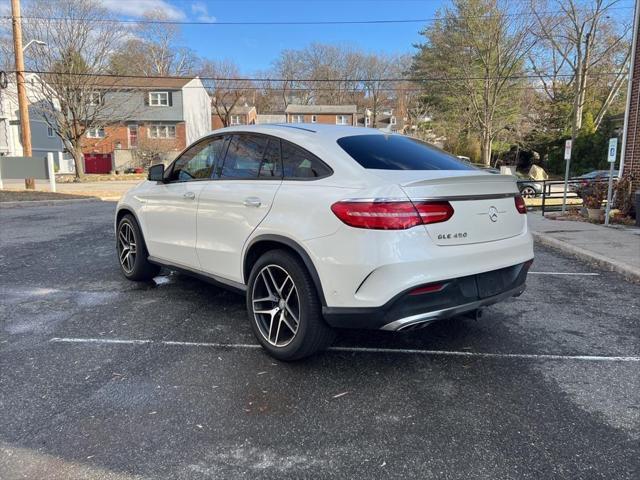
point(328, 226)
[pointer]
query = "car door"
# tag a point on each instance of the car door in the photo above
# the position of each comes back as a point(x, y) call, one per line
point(235, 203)
point(170, 208)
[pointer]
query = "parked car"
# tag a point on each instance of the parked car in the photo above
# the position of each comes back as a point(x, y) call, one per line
point(579, 184)
point(327, 226)
point(529, 187)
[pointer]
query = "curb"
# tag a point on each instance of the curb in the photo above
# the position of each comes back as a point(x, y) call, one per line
point(47, 203)
point(630, 273)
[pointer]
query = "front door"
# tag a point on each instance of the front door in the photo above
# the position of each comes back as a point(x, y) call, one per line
point(233, 205)
point(170, 208)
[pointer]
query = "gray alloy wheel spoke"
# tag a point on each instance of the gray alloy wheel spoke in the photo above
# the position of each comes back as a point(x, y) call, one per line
point(275, 302)
point(127, 247)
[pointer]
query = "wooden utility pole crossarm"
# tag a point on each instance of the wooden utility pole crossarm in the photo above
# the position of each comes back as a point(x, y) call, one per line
point(23, 103)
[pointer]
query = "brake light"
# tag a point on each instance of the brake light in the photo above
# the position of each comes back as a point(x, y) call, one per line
point(385, 215)
point(520, 205)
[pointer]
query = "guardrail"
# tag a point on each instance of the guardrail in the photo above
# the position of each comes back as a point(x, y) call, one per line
point(550, 198)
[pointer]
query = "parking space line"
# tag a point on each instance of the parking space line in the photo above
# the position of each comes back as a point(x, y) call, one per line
point(406, 351)
point(584, 274)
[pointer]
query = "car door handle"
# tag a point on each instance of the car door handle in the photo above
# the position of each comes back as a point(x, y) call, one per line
point(252, 202)
point(189, 195)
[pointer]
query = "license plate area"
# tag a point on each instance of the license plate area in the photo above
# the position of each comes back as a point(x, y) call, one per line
point(497, 281)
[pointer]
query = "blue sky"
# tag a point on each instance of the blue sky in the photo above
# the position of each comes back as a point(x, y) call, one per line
point(255, 47)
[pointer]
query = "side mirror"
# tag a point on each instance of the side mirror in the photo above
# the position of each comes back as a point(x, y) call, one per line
point(156, 173)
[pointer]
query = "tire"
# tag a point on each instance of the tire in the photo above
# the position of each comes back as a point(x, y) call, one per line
point(280, 276)
point(134, 262)
point(528, 192)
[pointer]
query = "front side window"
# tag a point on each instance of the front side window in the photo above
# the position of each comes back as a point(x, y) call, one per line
point(342, 120)
point(198, 161)
point(161, 131)
point(96, 132)
point(397, 152)
point(300, 164)
point(159, 99)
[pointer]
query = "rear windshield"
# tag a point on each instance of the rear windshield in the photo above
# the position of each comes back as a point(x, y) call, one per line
point(396, 152)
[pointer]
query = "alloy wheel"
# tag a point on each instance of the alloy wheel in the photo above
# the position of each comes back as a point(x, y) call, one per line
point(127, 247)
point(528, 192)
point(276, 305)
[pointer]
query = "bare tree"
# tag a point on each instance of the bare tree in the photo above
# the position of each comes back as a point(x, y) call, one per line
point(153, 48)
point(226, 88)
point(375, 72)
point(578, 42)
point(80, 38)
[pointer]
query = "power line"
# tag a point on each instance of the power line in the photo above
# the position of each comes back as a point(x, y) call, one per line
point(144, 21)
point(535, 76)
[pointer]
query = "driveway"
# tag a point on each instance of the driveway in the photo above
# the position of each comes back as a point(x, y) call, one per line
point(101, 378)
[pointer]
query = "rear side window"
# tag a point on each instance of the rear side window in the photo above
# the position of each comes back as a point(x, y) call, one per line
point(298, 164)
point(396, 152)
point(244, 156)
point(271, 166)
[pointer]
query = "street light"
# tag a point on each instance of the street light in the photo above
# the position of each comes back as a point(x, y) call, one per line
point(37, 42)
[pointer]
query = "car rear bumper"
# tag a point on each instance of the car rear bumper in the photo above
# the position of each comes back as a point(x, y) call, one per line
point(456, 296)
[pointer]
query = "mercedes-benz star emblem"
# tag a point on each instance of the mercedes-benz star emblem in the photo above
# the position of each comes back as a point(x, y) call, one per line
point(493, 214)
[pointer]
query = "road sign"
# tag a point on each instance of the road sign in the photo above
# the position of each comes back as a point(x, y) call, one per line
point(567, 150)
point(613, 149)
point(611, 158)
point(567, 157)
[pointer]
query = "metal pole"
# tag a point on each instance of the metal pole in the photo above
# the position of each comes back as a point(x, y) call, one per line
point(609, 195)
point(23, 102)
point(51, 170)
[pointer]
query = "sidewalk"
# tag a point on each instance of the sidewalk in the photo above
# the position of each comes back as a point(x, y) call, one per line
point(107, 190)
point(614, 248)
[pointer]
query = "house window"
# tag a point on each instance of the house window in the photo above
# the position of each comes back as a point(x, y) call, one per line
point(162, 131)
point(342, 120)
point(50, 132)
point(297, 118)
point(314, 118)
point(159, 99)
point(95, 99)
point(96, 132)
point(392, 120)
point(367, 121)
point(235, 119)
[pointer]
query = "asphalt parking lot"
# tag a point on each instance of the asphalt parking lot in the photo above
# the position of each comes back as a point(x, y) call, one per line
point(101, 378)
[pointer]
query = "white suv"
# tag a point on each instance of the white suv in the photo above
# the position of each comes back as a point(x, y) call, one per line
point(327, 226)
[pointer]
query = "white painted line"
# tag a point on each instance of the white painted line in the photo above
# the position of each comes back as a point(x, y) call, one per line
point(586, 274)
point(99, 340)
point(406, 351)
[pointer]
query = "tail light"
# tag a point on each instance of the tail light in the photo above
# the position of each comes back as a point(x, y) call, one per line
point(520, 205)
point(385, 215)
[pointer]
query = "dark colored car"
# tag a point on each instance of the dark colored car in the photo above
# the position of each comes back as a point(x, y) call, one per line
point(579, 184)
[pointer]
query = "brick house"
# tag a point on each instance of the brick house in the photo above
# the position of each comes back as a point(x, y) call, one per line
point(239, 115)
point(327, 114)
point(158, 117)
point(632, 138)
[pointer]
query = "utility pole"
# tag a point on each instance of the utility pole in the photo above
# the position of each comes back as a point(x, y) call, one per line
point(23, 102)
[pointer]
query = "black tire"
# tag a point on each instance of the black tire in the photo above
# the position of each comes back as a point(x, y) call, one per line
point(139, 268)
point(313, 334)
